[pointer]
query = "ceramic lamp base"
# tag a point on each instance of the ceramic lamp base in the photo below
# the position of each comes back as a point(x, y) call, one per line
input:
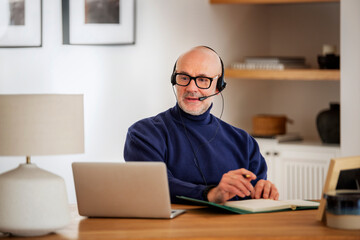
point(33, 202)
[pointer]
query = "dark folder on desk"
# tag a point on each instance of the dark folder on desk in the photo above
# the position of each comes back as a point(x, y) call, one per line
point(258, 205)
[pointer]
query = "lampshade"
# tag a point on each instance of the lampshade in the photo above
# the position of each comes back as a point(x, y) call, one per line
point(47, 124)
point(33, 201)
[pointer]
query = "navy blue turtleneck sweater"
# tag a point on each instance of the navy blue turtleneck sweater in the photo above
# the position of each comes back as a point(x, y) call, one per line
point(197, 150)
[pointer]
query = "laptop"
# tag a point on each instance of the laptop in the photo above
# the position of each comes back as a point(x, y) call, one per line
point(129, 190)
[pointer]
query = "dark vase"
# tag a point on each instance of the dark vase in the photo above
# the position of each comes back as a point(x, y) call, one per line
point(328, 124)
point(329, 61)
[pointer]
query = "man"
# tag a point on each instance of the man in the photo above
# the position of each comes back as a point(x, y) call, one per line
point(206, 158)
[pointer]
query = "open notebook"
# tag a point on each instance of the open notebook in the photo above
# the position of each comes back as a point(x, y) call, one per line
point(132, 189)
point(259, 205)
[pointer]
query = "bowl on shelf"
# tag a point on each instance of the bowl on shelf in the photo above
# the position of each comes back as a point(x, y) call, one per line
point(269, 125)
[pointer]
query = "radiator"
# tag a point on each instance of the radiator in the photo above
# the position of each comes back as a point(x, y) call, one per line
point(303, 180)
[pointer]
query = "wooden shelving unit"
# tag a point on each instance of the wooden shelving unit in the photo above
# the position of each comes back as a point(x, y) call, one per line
point(267, 1)
point(290, 74)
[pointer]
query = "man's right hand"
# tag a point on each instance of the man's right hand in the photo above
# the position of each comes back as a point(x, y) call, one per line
point(233, 183)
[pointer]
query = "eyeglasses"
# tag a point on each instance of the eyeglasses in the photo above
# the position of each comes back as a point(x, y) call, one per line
point(183, 79)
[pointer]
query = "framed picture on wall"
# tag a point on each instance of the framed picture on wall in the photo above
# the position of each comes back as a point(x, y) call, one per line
point(98, 22)
point(20, 23)
point(343, 173)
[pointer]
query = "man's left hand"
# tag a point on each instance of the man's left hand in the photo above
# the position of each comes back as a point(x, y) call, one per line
point(265, 189)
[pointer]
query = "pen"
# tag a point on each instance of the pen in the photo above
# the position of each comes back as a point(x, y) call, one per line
point(244, 176)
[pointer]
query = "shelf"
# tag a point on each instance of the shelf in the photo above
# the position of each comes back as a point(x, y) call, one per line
point(302, 143)
point(290, 74)
point(267, 1)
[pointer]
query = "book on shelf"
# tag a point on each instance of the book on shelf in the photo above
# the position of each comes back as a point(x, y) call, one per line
point(267, 66)
point(287, 137)
point(259, 205)
point(275, 59)
point(271, 63)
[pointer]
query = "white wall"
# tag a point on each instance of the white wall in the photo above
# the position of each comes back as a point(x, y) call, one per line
point(350, 78)
point(121, 84)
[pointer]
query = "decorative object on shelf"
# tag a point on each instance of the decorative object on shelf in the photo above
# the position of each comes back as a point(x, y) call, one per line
point(21, 23)
point(271, 63)
point(328, 59)
point(266, 125)
point(328, 124)
point(98, 22)
point(33, 201)
point(343, 209)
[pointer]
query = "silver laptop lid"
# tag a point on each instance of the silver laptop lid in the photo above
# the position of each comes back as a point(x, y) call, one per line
point(131, 189)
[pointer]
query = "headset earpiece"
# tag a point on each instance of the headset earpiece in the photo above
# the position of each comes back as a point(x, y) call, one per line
point(173, 81)
point(221, 84)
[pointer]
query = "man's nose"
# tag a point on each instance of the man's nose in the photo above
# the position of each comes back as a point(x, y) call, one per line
point(192, 86)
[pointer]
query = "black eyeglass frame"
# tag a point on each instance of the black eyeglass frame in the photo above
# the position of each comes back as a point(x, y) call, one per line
point(195, 80)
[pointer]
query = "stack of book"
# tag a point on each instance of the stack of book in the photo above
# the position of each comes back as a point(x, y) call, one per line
point(287, 137)
point(271, 63)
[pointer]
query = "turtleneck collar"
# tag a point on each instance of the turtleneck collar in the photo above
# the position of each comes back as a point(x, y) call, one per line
point(204, 118)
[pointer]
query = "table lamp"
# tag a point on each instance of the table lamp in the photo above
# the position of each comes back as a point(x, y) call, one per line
point(33, 202)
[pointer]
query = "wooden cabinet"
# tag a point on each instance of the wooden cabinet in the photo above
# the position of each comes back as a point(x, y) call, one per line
point(297, 169)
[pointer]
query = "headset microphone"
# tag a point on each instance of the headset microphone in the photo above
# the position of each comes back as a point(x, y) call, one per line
point(205, 97)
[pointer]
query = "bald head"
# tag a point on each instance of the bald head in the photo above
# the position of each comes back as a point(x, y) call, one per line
point(201, 57)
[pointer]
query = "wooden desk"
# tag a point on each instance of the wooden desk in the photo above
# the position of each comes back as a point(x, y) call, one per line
point(202, 223)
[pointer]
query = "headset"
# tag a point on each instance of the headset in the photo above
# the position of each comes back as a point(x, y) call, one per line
point(221, 84)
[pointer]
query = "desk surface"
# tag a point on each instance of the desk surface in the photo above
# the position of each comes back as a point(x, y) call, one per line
point(202, 223)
